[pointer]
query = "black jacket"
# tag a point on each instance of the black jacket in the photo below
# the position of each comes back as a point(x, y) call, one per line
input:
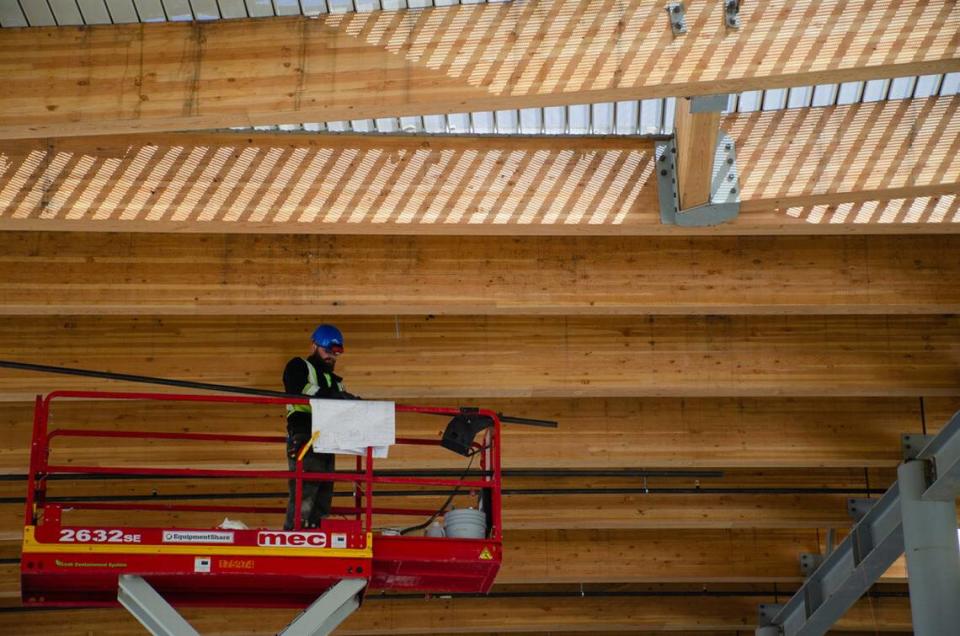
point(295, 378)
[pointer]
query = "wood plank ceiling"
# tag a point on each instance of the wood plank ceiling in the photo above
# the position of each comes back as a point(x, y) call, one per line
point(721, 391)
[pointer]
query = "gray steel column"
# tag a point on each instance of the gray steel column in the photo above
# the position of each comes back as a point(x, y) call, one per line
point(933, 554)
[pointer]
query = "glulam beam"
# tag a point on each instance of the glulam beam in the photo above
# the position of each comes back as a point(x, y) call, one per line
point(553, 511)
point(700, 613)
point(696, 143)
point(424, 358)
point(594, 433)
point(241, 274)
point(172, 76)
point(890, 166)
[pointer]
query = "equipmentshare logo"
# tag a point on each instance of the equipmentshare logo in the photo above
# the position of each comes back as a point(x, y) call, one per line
point(188, 536)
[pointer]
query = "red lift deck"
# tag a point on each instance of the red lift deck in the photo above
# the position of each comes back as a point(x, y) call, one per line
point(80, 565)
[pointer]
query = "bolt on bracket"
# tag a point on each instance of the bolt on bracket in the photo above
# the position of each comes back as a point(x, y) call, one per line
point(912, 443)
point(809, 562)
point(857, 508)
point(731, 13)
point(766, 613)
point(724, 202)
point(678, 18)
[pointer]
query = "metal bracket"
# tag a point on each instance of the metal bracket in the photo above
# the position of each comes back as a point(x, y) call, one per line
point(678, 19)
point(709, 103)
point(809, 562)
point(725, 188)
point(766, 612)
point(731, 13)
point(858, 508)
point(912, 443)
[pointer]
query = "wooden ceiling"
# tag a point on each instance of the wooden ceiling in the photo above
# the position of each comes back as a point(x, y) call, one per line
point(721, 391)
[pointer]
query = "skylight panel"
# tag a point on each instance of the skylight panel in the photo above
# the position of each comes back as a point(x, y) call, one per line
point(555, 120)
point(850, 93)
point(387, 124)
point(800, 96)
point(178, 10)
point(927, 86)
point(66, 12)
point(483, 122)
point(601, 118)
point(531, 121)
point(122, 11)
point(11, 15)
point(259, 8)
point(578, 119)
point(651, 116)
point(508, 122)
point(824, 95)
point(150, 10)
point(313, 7)
point(950, 84)
point(749, 101)
point(774, 99)
point(669, 110)
point(627, 117)
point(902, 87)
point(876, 90)
point(93, 12)
point(458, 123)
point(412, 124)
point(38, 13)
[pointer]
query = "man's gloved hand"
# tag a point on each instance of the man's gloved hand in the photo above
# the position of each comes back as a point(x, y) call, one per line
point(295, 443)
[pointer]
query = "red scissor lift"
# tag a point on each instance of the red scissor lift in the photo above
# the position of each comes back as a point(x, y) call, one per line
point(82, 565)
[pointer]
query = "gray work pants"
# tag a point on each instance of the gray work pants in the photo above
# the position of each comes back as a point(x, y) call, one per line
point(317, 495)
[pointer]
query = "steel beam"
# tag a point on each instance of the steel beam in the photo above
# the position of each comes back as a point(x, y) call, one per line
point(847, 573)
point(151, 609)
point(943, 453)
point(926, 515)
point(328, 611)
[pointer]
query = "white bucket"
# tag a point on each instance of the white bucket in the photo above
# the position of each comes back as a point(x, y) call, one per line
point(465, 523)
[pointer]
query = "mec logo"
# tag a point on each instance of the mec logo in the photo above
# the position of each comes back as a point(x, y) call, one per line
point(292, 539)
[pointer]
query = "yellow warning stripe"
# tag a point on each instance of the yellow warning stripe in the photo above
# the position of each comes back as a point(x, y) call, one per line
point(31, 545)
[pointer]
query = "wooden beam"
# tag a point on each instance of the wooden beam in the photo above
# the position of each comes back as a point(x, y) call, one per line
point(732, 498)
point(878, 167)
point(132, 274)
point(431, 357)
point(703, 614)
point(527, 512)
point(594, 433)
point(696, 139)
point(172, 76)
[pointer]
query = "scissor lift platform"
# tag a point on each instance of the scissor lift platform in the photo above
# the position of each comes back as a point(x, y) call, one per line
point(67, 565)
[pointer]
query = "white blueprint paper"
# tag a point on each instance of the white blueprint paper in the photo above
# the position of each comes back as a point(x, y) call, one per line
point(347, 427)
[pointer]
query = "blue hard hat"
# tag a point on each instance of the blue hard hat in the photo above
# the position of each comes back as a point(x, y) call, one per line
point(327, 337)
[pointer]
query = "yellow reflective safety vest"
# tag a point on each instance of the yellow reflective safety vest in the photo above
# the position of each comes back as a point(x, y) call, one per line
point(312, 387)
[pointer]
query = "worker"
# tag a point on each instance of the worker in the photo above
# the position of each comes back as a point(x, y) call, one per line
point(312, 376)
